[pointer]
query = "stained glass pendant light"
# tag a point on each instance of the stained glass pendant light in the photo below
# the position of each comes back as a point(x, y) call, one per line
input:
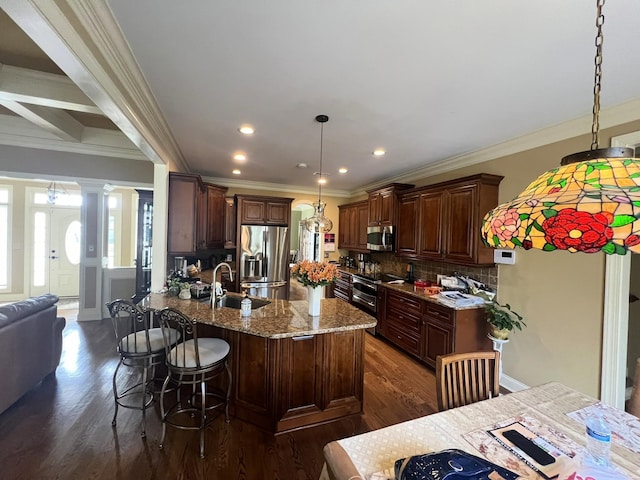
point(591, 203)
point(318, 222)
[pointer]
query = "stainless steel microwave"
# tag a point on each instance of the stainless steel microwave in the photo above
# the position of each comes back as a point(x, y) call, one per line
point(380, 238)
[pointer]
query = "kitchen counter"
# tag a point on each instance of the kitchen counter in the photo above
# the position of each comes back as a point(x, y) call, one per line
point(408, 289)
point(279, 319)
point(289, 370)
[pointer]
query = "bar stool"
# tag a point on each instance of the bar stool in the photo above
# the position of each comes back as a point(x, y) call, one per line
point(140, 347)
point(192, 362)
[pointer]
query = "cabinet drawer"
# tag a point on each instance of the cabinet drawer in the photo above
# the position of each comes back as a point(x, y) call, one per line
point(406, 341)
point(441, 314)
point(404, 302)
point(404, 319)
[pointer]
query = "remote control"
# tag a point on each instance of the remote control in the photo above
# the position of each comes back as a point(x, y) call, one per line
point(528, 447)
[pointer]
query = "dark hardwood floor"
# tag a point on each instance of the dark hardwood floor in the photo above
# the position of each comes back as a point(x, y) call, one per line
point(62, 428)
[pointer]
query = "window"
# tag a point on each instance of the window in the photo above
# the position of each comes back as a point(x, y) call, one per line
point(4, 236)
point(114, 232)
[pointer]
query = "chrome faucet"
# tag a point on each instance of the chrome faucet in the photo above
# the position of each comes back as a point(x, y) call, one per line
point(213, 285)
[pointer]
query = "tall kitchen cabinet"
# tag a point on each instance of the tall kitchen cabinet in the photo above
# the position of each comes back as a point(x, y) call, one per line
point(196, 214)
point(353, 219)
point(442, 221)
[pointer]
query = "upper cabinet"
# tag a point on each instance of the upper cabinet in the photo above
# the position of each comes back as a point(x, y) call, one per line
point(352, 225)
point(442, 221)
point(196, 214)
point(255, 210)
point(382, 204)
point(184, 195)
point(215, 217)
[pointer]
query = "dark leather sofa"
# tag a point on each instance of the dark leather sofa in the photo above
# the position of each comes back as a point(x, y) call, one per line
point(30, 345)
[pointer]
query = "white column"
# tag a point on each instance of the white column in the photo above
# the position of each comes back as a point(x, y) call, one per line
point(160, 224)
point(94, 219)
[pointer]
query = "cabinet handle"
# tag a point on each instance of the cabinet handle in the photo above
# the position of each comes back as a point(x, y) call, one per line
point(302, 337)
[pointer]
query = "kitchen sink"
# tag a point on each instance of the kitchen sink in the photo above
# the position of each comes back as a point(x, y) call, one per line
point(233, 301)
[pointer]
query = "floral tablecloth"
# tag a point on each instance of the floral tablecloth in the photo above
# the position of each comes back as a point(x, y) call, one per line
point(551, 408)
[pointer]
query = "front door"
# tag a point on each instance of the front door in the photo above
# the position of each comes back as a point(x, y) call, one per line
point(55, 254)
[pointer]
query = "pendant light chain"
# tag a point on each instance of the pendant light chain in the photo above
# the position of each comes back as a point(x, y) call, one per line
point(595, 127)
point(320, 179)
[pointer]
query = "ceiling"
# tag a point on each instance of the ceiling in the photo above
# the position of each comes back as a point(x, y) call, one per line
point(429, 82)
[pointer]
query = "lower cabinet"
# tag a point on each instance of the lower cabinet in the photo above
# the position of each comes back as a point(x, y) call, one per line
point(287, 383)
point(425, 329)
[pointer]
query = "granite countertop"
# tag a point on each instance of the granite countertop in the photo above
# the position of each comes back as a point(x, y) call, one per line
point(409, 289)
point(279, 319)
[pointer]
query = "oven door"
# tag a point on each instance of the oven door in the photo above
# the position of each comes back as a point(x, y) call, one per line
point(364, 294)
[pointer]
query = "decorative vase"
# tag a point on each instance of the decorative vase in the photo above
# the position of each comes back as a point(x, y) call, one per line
point(314, 295)
point(500, 334)
point(174, 291)
point(185, 294)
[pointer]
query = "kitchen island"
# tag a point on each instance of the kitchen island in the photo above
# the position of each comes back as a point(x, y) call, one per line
point(290, 370)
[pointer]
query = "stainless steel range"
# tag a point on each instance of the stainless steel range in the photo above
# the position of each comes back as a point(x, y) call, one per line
point(364, 292)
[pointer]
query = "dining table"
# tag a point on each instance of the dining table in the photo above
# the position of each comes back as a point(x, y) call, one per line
point(552, 411)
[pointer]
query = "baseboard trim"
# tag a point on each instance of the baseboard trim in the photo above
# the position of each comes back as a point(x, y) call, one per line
point(512, 384)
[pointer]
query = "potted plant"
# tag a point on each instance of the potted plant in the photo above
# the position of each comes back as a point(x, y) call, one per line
point(502, 320)
point(173, 286)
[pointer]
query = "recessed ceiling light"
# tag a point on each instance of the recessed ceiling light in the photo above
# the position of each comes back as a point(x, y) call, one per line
point(378, 152)
point(322, 181)
point(236, 172)
point(302, 165)
point(246, 130)
point(241, 157)
point(342, 170)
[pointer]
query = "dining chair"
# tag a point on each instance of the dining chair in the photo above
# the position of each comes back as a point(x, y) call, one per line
point(194, 362)
point(633, 407)
point(141, 347)
point(464, 378)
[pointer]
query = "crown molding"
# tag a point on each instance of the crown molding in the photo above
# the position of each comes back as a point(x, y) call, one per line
point(610, 117)
point(274, 187)
point(87, 44)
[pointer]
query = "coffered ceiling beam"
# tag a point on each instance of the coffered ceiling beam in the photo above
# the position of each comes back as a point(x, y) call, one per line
point(45, 89)
point(53, 120)
point(19, 132)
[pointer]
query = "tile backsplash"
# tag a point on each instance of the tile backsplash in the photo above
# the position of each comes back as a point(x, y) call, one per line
point(429, 270)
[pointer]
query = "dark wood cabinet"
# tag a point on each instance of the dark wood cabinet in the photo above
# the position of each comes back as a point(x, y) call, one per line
point(184, 196)
point(144, 244)
point(215, 216)
point(229, 222)
point(288, 383)
point(254, 210)
point(404, 319)
point(407, 227)
point(425, 329)
point(446, 220)
point(381, 314)
point(352, 228)
point(195, 214)
point(382, 204)
point(362, 213)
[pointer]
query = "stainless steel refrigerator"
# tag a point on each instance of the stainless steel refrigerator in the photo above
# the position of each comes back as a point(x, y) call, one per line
point(264, 260)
